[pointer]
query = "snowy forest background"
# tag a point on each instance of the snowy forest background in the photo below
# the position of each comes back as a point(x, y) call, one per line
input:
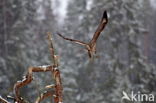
point(126, 48)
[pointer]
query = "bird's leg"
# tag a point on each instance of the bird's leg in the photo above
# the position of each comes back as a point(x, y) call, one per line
point(90, 54)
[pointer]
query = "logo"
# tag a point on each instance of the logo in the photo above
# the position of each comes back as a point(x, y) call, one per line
point(137, 96)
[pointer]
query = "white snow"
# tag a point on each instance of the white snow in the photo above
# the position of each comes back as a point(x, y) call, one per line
point(44, 67)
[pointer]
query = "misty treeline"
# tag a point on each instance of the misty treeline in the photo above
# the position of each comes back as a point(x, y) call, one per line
point(125, 50)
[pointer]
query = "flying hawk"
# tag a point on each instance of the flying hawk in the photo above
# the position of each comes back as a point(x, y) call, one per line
point(91, 46)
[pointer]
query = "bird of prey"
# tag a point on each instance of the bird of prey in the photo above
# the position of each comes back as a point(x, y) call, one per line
point(91, 46)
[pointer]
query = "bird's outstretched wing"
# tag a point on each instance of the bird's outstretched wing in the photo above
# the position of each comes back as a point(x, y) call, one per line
point(75, 41)
point(101, 26)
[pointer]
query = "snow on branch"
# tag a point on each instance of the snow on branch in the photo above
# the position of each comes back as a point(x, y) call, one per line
point(56, 93)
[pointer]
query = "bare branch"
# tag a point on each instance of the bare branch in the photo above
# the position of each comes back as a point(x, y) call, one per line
point(56, 74)
point(57, 92)
point(51, 47)
point(58, 88)
point(44, 96)
point(27, 79)
point(2, 100)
